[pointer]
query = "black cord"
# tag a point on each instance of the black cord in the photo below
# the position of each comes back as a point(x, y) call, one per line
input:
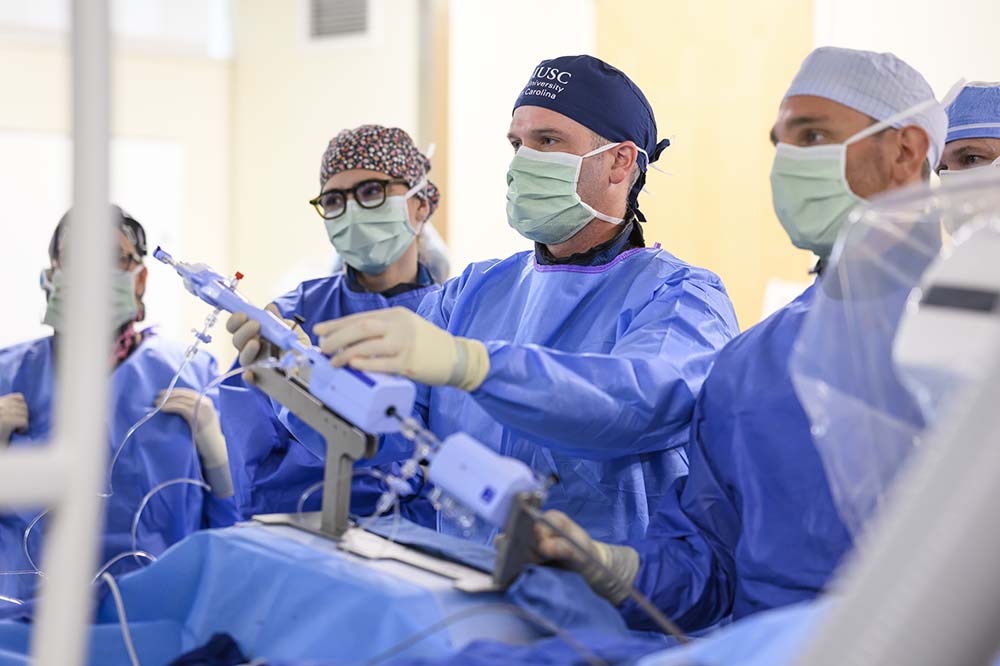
point(665, 624)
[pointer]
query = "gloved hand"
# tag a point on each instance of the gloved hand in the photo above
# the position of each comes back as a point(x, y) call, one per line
point(397, 341)
point(208, 439)
point(613, 581)
point(13, 416)
point(247, 340)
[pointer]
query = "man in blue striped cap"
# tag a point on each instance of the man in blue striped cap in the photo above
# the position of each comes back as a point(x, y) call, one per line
point(753, 525)
point(973, 130)
point(582, 357)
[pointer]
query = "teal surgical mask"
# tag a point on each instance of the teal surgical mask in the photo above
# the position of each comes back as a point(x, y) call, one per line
point(372, 239)
point(124, 307)
point(542, 202)
point(812, 197)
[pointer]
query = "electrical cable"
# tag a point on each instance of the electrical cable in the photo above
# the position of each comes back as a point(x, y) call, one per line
point(119, 557)
point(148, 496)
point(122, 618)
point(189, 354)
point(368, 520)
point(24, 540)
point(145, 419)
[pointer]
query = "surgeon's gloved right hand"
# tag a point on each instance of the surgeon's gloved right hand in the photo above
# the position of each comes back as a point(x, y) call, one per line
point(398, 341)
point(13, 416)
point(613, 580)
point(247, 340)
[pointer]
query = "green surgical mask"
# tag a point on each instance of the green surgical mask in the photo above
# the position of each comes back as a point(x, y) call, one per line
point(124, 307)
point(542, 202)
point(372, 239)
point(812, 198)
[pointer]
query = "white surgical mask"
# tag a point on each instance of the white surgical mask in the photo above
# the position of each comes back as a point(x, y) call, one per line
point(950, 175)
point(812, 197)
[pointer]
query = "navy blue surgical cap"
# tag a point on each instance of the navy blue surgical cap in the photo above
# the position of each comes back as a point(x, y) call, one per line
point(602, 99)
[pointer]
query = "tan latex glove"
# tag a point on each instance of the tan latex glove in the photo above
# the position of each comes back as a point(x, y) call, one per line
point(397, 341)
point(208, 439)
point(247, 340)
point(613, 581)
point(13, 416)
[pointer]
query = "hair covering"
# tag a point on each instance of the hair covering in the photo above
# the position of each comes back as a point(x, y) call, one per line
point(126, 223)
point(602, 99)
point(975, 113)
point(879, 85)
point(389, 150)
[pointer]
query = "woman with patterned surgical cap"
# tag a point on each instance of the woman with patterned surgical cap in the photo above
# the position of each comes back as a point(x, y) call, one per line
point(375, 200)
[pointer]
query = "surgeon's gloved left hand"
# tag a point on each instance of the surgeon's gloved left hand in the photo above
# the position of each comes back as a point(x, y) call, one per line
point(208, 438)
point(250, 344)
point(612, 579)
point(397, 341)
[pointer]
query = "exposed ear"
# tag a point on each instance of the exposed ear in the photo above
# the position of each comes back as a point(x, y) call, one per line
point(140, 282)
point(625, 156)
point(140, 291)
point(912, 143)
point(423, 212)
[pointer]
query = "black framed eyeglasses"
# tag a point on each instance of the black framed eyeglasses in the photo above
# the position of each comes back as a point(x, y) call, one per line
point(372, 193)
point(123, 262)
point(126, 259)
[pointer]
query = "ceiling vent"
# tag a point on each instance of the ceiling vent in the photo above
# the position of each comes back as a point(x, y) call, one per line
point(337, 18)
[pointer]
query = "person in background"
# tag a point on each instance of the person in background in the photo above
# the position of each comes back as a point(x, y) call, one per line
point(754, 526)
point(973, 131)
point(583, 357)
point(142, 365)
point(375, 202)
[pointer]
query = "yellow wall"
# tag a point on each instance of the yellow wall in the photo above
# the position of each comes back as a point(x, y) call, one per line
point(714, 71)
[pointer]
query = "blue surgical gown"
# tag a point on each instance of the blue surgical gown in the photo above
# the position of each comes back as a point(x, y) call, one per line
point(271, 466)
point(593, 376)
point(161, 450)
point(753, 525)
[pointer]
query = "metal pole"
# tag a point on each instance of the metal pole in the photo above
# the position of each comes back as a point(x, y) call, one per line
point(61, 633)
point(32, 476)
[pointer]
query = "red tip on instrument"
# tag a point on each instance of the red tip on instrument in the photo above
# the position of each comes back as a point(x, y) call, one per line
point(239, 276)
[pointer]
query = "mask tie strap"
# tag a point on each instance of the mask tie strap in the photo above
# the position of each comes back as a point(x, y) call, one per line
point(596, 151)
point(421, 184)
point(907, 113)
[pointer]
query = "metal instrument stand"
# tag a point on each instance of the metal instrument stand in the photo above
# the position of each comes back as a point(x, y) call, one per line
point(514, 552)
point(344, 444)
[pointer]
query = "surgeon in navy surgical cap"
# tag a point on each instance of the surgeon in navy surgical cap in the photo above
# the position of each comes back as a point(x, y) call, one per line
point(583, 356)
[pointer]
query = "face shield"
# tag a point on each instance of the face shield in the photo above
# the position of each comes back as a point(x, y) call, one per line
point(874, 365)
